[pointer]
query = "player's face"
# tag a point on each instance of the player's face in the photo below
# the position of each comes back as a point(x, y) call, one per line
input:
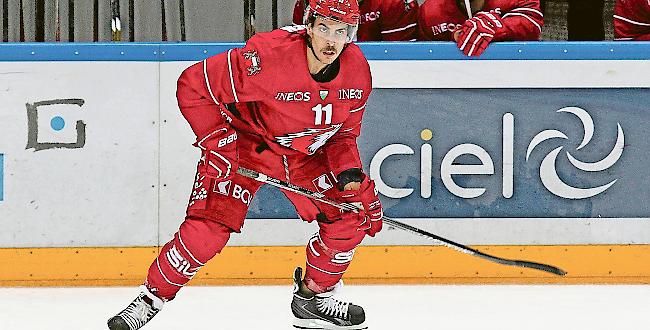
point(327, 38)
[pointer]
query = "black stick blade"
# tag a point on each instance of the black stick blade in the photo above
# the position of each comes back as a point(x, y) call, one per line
point(542, 267)
point(526, 264)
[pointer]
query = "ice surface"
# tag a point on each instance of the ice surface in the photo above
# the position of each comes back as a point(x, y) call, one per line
point(440, 307)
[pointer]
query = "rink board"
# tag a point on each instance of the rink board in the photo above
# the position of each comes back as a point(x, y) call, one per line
point(96, 157)
point(239, 265)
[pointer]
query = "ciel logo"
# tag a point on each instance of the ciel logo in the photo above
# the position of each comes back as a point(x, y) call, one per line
point(451, 168)
point(547, 171)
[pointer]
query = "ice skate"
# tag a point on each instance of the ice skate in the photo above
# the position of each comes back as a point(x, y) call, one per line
point(323, 311)
point(138, 313)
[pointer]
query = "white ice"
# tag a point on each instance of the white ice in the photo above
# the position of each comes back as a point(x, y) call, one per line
point(443, 307)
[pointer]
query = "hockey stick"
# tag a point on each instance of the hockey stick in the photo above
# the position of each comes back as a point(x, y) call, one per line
point(181, 9)
point(274, 14)
point(116, 23)
point(249, 19)
point(96, 20)
point(39, 29)
point(5, 20)
point(163, 24)
point(57, 19)
point(70, 20)
point(396, 224)
point(468, 7)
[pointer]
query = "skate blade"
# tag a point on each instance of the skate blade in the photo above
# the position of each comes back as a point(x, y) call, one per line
point(324, 325)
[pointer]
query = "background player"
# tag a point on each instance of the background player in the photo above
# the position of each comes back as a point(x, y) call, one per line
point(380, 20)
point(473, 24)
point(288, 104)
point(632, 20)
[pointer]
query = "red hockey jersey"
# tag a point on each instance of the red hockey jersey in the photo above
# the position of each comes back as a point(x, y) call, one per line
point(381, 20)
point(632, 20)
point(277, 99)
point(523, 20)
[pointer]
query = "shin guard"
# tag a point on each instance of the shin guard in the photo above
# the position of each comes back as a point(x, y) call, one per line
point(182, 257)
point(325, 266)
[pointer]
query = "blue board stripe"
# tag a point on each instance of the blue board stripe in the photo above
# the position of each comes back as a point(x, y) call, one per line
point(163, 52)
point(543, 50)
point(18, 52)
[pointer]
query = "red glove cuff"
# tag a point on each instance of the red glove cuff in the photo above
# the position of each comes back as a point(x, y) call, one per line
point(368, 197)
point(219, 157)
point(478, 31)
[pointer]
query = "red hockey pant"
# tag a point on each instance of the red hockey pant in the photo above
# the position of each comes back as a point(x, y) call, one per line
point(216, 209)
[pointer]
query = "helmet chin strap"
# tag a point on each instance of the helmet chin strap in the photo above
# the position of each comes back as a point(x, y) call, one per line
point(313, 51)
point(468, 7)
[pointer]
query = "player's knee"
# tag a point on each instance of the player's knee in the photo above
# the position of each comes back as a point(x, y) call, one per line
point(342, 235)
point(347, 243)
point(201, 239)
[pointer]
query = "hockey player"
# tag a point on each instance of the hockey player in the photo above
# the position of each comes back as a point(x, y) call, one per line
point(288, 104)
point(381, 20)
point(473, 24)
point(632, 20)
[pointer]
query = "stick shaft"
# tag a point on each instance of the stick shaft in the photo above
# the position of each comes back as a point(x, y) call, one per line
point(116, 23)
point(397, 224)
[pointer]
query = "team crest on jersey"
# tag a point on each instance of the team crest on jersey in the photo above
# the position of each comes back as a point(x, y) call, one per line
point(323, 94)
point(254, 67)
point(409, 4)
point(309, 140)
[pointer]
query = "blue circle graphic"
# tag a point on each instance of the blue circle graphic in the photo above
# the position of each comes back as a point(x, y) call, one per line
point(57, 123)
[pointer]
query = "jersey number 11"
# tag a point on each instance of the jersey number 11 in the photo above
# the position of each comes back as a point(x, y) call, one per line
point(321, 111)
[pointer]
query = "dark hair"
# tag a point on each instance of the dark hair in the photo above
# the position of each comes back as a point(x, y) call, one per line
point(311, 19)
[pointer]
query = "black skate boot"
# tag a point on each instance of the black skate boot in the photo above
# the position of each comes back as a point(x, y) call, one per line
point(323, 311)
point(138, 313)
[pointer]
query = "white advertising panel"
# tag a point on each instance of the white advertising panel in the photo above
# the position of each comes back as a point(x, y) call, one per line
point(98, 154)
point(80, 147)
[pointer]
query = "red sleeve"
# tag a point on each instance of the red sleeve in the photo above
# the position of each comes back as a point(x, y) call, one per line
point(298, 12)
point(342, 150)
point(194, 101)
point(399, 21)
point(522, 23)
point(644, 37)
point(238, 75)
point(424, 30)
point(204, 88)
point(632, 20)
